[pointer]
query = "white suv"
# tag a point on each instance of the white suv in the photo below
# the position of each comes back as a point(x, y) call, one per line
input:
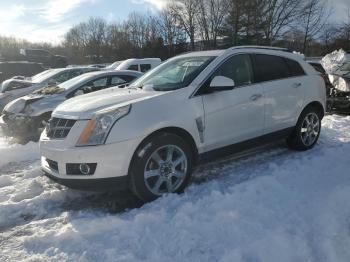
point(148, 137)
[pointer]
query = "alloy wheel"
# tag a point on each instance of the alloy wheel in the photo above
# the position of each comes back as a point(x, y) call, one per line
point(310, 129)
point(165, 170)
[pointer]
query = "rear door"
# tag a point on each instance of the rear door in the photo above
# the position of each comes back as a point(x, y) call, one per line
point(236, 115)
point(282, 80)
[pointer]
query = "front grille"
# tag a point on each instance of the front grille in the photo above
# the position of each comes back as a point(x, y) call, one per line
point(52, 164)
point(58, 128)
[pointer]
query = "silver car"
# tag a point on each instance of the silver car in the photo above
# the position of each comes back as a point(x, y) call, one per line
point(25, 117)
point(19, 86)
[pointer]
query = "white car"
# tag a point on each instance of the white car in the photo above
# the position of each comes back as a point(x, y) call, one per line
point(141, 65)
point(24, 117)
point(150, 136)
point(15, 88)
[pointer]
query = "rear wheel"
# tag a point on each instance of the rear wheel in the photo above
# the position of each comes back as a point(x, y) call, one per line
point(307, 130)
point(162, 164)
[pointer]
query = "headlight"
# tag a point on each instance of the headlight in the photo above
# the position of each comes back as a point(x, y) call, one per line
point(97, 129)
point(15, 106)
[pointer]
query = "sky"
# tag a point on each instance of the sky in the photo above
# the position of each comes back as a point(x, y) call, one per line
point(48, 20)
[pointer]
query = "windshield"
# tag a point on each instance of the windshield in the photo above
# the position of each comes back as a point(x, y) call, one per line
point(175, 74)
point(114, 65)
point(43, 76)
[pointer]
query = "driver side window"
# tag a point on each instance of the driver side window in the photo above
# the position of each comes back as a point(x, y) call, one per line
point(61, 77)
point(94, 85)
point(238, 68)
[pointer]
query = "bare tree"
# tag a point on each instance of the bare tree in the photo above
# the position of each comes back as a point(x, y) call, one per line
point(279, 14)
point(88, 38)
point(186, 12)
point(170, 29)
point(313, 19)
point(211, 16)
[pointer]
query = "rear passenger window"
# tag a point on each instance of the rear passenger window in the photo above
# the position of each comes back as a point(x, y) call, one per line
point(134, 68)
point(295, 68)
point(269, 68)
point(238, 68)
point(145, 67)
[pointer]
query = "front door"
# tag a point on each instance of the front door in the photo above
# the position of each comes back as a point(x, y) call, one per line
point(236, 115)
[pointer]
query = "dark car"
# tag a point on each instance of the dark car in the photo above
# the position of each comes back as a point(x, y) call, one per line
point(45, 57)
point(24, 69)
point(338, 87)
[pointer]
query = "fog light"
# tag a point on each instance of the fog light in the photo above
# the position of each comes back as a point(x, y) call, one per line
point(84, 169)
point(78, 169)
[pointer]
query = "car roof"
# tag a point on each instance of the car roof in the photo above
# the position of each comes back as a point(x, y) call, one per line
point(278, 50)
point(141, 59)
point(204, 53)
point(113, 73)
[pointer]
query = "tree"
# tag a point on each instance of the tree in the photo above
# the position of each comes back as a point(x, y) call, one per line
point(170, 29)
point(211, 15)
point(88, 39)
point(186, 12)
point(279, 15)
point(313, 19)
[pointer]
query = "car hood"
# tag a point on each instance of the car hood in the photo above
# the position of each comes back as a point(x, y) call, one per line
point(15, 83)
point(84, 107)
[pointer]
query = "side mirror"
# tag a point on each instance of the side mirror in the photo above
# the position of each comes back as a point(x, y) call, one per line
point(221, 83)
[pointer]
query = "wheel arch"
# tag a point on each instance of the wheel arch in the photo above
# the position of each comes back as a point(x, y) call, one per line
point(185, 135)
point(317, 105)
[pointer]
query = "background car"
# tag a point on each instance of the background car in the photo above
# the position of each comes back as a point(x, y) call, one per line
point(24, 69)
point(337, 86)
point(45, 57)
point(17, 87)
point(25, 117)
point(141, 65)
point(114, 65)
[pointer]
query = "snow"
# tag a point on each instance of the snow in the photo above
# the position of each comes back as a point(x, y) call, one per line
point(270, 204)
point(17, 153)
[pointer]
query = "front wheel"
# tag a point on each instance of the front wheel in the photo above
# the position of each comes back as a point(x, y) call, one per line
point(161, 165)
point(307, 130)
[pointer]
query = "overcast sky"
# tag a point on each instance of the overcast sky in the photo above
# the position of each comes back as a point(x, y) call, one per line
point(48, 20)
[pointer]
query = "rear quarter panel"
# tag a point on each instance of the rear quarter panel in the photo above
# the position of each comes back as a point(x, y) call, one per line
point(315, 87)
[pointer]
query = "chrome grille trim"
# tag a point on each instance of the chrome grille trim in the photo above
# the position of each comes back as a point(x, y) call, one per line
point(58, 128)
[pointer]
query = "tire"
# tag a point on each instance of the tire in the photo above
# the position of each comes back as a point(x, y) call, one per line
point(164, 174)
point(307, 131)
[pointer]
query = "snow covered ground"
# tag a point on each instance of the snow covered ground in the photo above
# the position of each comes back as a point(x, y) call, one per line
point(269, 205)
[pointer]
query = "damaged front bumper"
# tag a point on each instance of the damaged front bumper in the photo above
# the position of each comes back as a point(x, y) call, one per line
point(21, 126)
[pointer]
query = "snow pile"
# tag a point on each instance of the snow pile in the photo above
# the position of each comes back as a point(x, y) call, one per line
point(334, 60)
point(17, 153)
point(271, 205)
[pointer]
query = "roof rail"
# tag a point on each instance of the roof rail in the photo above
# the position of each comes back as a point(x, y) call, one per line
point(262, 47)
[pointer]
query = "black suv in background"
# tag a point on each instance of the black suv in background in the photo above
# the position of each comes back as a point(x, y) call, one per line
point(45, 57)
point(25, 69)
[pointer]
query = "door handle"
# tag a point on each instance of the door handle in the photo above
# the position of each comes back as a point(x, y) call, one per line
point(296, 85)
point(255, 97)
